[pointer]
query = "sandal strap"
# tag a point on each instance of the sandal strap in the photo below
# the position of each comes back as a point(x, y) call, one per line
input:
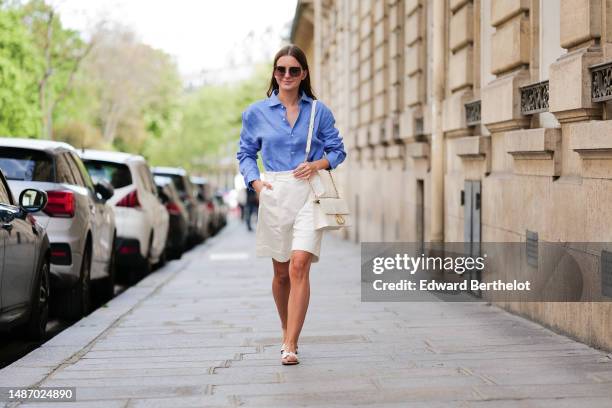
point(289, 354)
point(284, 346)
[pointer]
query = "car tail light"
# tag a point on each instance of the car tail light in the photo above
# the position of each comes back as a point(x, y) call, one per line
point(60, 204)
point(173, 208)
point(129, 249)
point(130, 200)
point(61, 254)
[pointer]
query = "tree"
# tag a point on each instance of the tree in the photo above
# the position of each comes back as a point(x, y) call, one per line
point(62, 52)
point(137, 87)
point(211, 118)
point(19, 68)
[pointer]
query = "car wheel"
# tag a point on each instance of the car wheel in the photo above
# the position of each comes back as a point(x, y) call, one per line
point(163, 258)
point(147, 266)
point(108, 285)
point(76, 302)
point(175, 254)
point(36, 327)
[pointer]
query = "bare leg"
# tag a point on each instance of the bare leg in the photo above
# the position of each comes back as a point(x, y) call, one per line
point(281, 287)
point(299, 297)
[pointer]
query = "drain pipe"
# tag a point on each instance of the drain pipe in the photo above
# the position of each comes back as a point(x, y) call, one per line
point(437, 136)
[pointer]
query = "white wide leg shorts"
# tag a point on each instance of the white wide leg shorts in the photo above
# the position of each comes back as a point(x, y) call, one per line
point(285, 218)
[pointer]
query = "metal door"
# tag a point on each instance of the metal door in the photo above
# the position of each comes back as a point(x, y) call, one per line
point(420, 214)
point(472, 199)
point(471, 211)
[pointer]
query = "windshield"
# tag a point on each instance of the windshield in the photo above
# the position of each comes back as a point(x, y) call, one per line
point(115, 173)
point(26, 165)
point(178, 181)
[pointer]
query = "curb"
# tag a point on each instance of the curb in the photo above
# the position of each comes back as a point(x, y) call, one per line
point(73, 342)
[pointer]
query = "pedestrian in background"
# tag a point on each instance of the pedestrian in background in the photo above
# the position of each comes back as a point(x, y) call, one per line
point(278, 126)
point(251, 207)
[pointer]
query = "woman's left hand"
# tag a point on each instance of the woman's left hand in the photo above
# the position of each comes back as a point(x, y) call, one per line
point(305, 170)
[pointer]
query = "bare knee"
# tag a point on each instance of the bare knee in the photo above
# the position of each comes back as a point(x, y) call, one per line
point(299, 268)
point(282, 278)
point(281, 272)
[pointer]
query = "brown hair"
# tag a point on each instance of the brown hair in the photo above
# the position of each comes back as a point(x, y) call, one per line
point(298, 54)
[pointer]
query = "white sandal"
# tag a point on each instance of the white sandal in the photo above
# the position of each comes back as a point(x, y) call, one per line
point(284, 346)
point(286, 355)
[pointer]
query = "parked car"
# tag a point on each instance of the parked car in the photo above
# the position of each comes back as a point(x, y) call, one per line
point(203, 195)
point(142, 220)
point(178, 232)
point(24, 263)
point(79, 223)
point(188, 196)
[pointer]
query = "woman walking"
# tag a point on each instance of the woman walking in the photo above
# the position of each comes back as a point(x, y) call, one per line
point(278, 126)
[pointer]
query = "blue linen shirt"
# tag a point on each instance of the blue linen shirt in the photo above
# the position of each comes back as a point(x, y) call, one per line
point(265, 127)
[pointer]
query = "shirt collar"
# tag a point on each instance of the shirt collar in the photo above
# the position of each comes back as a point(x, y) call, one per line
point(273, 99)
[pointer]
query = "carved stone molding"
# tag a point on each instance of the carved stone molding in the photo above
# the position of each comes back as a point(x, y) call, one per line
point(535, 151)
point(473, 147)
point(417, 150)
point(501, 102)
point(570, 86)
point(475, 155)
point(591, 140)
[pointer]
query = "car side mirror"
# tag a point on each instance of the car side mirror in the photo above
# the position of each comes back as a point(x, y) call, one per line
point(32, 200)
point(104, 189)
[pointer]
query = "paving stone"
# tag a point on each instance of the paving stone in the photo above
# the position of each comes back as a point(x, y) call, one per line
point(86, 364)
point(204, 332)
point(300, 387)
point(208, 401)
point(79, 403)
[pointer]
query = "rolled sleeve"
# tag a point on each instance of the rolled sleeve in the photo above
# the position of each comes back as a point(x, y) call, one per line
point(248, 147)
point(333, 145)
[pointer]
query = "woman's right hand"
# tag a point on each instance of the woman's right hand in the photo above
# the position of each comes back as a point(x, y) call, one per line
point(259, 185)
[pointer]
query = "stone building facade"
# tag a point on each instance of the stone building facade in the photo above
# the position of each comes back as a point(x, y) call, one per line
point(475, 120)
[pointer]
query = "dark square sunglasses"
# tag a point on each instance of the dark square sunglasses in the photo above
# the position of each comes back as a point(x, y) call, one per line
point(293, 71)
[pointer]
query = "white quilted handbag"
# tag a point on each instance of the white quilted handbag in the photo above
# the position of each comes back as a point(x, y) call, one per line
point(330, 210)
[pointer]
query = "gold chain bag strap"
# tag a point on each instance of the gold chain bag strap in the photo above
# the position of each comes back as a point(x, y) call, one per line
point(330, 210)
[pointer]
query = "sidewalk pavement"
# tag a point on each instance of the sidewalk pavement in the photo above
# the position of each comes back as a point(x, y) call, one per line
point(204, 331)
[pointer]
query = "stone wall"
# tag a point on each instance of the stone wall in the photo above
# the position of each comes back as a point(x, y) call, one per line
point(534, 139)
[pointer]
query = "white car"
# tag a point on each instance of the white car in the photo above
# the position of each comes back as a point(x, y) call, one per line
point(79, 222)
point(142, 220)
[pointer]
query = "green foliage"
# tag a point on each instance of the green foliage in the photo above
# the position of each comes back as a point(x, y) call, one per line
point(210, 125)
point(113, 92)
point(20, 66)
point(60, 50)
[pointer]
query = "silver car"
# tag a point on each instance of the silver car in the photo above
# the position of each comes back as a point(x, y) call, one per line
point(24, 264)
point(80, 225)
